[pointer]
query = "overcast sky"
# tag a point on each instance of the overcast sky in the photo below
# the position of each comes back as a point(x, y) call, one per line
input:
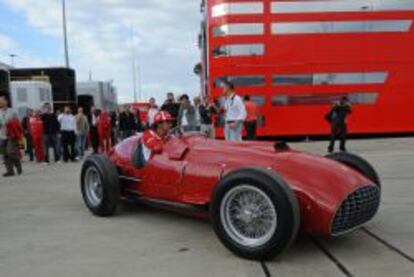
point(100, 40)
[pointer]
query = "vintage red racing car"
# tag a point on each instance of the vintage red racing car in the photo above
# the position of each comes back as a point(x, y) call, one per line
point(258, 195)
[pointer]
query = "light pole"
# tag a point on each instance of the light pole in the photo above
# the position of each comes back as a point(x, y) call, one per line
point(134, 64)
point(12, 56)
point(134, 78)
point(65, 33)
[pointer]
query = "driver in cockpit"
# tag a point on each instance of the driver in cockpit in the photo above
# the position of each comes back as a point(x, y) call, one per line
point(154, 138)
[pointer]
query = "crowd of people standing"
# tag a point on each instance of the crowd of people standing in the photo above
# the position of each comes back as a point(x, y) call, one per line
point(201, 114)
point(68, 135)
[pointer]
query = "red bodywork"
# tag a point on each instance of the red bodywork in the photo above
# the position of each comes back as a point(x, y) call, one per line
point(297, 109)
point(191, 166)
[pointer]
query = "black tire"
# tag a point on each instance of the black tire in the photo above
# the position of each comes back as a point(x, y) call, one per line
point(283, 201)
point(110, 191)
point(358, 163)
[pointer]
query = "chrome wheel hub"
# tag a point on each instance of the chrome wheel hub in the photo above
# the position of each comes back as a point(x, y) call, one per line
point(248, 216)
point(93, 187)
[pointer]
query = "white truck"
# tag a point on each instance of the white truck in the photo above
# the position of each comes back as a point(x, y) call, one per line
point(30, 95)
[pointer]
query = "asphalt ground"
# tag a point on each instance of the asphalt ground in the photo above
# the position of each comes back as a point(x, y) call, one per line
point(46, 230)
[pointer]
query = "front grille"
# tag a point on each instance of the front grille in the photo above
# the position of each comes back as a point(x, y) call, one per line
point(360, 207)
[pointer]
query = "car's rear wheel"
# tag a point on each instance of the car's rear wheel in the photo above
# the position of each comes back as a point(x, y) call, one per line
point(100, 185)
point(358, 163)
point(255, 214)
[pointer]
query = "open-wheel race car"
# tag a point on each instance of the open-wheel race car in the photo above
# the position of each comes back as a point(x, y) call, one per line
point(258, 195)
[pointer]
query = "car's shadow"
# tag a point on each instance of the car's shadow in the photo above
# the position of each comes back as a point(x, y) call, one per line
point(131, 208)
point(305, 249)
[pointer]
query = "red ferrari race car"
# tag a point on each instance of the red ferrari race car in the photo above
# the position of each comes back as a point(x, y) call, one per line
point(258, 195)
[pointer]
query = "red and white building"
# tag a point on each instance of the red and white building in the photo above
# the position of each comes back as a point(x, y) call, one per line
point(295, 58)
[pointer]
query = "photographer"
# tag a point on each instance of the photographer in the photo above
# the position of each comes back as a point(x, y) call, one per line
point(337, 117)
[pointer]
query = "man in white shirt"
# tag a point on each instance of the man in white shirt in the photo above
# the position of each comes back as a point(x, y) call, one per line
point(235, 113)
point(67, 128)
point(5, 115)
point(93, 129)
point(153, 110)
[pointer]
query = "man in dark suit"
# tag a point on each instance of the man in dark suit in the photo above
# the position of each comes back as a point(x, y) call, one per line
point(93, 129)
point(127, 123)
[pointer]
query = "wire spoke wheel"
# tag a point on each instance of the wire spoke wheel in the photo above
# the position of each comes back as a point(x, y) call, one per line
point(248, 216)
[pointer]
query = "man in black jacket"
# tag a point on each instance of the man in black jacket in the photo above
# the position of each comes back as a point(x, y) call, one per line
point(337, 117)
point(206, 110)
point(171, 107)
point(51, 128)
point(93, 129)
point(27, 134)
point(127, 123)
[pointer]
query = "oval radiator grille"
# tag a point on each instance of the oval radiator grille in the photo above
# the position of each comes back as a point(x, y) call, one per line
point(359, 207)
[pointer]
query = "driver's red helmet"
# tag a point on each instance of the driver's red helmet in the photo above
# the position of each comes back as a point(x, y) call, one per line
point(162, 116)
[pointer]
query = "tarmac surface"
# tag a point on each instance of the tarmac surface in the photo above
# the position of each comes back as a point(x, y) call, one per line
point(46, 230)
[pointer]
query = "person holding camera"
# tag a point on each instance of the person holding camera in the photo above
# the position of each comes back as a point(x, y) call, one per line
point(337, 117)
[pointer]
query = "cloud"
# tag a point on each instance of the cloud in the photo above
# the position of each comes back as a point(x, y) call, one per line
point(6, 42)
point(24, 57)
point(165, 36)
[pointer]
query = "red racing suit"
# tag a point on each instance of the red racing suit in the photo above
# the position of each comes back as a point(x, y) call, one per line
point(104, 132)
point(36, 130)
point(152, 143)
point(15, 136)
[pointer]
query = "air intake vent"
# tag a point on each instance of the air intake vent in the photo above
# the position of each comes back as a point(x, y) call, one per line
point(360, 207)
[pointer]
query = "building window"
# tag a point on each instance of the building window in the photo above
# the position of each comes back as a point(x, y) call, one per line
point(242, 81)
point(237, 29)
point(239, 50)
point(294, 79)
point(22, 94)
point(44, 95)
point(338, 27)
point(362, 98)
point(330, 79)
point(237, 8)
point(280, 7)
point(258, 99)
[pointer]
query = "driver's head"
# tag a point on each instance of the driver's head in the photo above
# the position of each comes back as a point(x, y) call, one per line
point(163, 123)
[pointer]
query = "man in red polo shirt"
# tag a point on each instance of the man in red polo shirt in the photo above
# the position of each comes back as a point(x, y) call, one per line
point(104, 131)
point(250, 123)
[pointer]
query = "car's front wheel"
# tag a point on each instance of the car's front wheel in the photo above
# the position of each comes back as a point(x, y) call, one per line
point(255, 214)
point(100, 185)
